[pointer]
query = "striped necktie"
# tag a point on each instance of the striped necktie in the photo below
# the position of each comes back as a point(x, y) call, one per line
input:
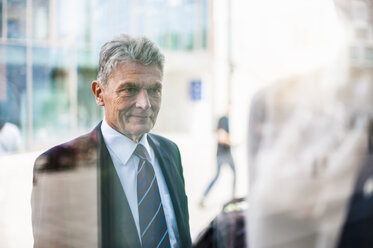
point(153, 227)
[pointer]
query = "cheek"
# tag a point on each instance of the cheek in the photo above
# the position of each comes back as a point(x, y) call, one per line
point(156, 103)
point(121, 104)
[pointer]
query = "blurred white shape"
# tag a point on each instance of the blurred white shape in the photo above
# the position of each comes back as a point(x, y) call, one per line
point(300, 193)
point(315, 137)
point(15, 195)
point(174, 2)
point(290, 36)
point(10, 139)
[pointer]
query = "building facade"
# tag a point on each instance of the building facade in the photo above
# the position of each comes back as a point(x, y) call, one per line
point(49, 55)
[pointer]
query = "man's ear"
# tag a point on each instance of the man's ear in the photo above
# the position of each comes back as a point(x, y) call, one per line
point(98, 93)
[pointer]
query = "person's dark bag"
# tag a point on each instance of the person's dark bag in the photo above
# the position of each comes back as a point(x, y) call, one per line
point(228, 229)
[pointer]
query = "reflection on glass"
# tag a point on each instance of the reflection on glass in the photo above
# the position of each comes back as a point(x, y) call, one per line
point(75, 27)
point(40, 19)
point(16, 19)
point(88, 113)
point(174, 25)
point(1, 18)
point(15, 71)
point(61, 97)
point(83, 21)
point(51, 103)
point(3, 87)
point(12, 97)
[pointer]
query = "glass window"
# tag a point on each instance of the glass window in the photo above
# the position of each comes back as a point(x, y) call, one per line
point(51, 99)
point(40, 19)
point(360, 11)
point(3, 87)
point(353, 53)
point(84, 19)
point(174, 25)
point(13, 91)
point(361, 34)
point(369, 54)
point(1, 18)
point(71, 19)
point(16, 19)
point(89, 114)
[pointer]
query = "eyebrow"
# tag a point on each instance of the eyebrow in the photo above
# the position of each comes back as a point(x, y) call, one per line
point(128, 84)
point(156, 85)
point(134, 85)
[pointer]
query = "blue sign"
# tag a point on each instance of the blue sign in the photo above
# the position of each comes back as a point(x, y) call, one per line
point(195, 90)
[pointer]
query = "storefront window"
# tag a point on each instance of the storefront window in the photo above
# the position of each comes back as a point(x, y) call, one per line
point(1, 18)
point(16, 19)
point(40, 19)
point(89, 114)
point(60, 62)
point(51, 98)
point(174, 25)
point(13, 86)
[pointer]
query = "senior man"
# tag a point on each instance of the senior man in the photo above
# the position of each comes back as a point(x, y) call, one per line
point(118, 186)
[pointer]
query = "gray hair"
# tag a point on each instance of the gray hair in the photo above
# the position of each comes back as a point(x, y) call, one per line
point(125, 48)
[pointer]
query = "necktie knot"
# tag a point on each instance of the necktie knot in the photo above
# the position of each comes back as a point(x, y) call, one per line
point(141, 152)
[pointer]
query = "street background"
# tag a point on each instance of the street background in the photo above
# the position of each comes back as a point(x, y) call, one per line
point(298, 65)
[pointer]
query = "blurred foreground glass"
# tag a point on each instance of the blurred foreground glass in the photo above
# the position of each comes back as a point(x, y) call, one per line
point(67, 216)
point(1, 18)
point(315, 135)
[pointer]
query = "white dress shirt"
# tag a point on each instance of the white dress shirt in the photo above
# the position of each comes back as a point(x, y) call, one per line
point(121, 150)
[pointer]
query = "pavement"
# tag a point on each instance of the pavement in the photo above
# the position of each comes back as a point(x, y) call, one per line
point(198, 156)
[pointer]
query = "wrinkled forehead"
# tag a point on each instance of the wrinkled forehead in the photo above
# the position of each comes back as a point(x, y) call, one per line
point(135, 66)
point(136, 72)
point(132, 66)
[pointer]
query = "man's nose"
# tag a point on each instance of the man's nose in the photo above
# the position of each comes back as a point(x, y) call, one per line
point(142, 100)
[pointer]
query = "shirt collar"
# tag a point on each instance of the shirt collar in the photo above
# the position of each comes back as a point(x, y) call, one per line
point(120, 145)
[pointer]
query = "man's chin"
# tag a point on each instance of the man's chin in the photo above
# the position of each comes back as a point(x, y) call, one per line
point(140, 131)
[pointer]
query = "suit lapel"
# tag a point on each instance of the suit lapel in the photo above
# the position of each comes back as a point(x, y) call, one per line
point(174, 183)
point(118, 228)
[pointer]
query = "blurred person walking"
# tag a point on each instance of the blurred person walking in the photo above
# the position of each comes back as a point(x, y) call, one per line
point(223, 155)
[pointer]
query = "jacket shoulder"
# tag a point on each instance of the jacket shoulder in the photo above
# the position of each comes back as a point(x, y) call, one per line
point(68, 155)
point(163, 142)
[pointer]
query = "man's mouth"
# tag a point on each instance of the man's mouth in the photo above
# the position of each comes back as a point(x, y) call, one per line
point(141, 116)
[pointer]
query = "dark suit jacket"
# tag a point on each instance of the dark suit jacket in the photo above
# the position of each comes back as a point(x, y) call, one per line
point(357, 230)
point(78, 200)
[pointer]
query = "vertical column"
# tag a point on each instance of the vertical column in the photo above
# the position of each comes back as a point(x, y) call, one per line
point(5, 18)
point(52, 22)
point(73, 91)
point(29, 72)
point(198, 28)
point(3, 82)
point(132, 5)
point(229, 49)
point(221, 70)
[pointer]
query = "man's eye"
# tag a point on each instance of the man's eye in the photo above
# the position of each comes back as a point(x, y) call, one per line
point(130, 90)
point(154, 91)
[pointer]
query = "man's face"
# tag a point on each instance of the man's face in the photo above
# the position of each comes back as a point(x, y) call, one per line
point(132, 98)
